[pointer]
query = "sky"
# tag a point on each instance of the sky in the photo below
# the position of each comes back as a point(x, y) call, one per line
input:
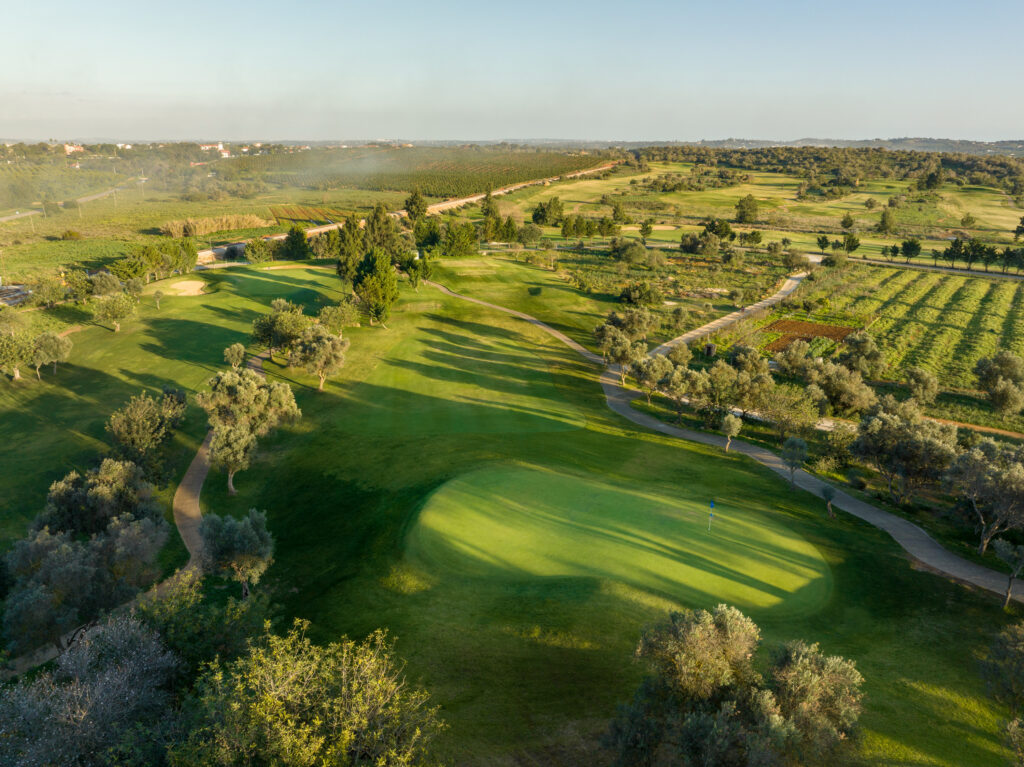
point(624, 71)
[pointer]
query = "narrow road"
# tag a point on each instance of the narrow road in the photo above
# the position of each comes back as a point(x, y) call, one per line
point(87, 198)
point(791, 284)
point(210, 254)
point(913, 539)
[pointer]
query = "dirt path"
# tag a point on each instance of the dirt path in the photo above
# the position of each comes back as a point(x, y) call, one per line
point(187, 511)
point(791, 284)
point(73, 329)
point(914, 540)
point(976, 427)
point(944, 269)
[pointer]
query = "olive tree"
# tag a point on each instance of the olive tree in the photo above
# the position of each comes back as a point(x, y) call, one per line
point(234, 355)
point(923, 385)
point(337, 317)
point(15, 352)
point(240, 548)
point(1003, 667)
point(114, 309)
point(143, 426)
point(705, 701)
point(49, 348)
point(990, 479)
point(1013, 556)
point(109, 693)
point(320, 353)
point(731, 426)
point(794, 454)
point(242, 407)
point(289, 701)
point(649, 372)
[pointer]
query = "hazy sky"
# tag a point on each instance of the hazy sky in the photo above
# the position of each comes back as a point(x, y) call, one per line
point(637, 70)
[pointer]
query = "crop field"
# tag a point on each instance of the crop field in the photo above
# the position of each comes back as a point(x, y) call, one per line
point(298, 214)
point(436, 172)
point(791, 330)
point(110, 228)
point(941, 322)
point(49, 182)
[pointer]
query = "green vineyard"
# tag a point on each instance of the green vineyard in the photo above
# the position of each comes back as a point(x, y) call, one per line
point(941, 322)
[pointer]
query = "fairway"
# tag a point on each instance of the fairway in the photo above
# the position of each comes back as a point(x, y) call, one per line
point(469, 381)
point(511, 522)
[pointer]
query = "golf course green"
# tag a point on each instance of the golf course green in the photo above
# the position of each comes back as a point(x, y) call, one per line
point(513, 522)
point(462, 484)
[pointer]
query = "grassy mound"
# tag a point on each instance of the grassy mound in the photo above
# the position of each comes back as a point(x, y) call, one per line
point(511, 522)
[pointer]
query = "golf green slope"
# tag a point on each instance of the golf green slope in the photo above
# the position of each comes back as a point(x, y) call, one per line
point(510, 521)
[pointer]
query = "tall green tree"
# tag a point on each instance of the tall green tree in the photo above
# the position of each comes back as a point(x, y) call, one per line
point(381, 232)
point(242, 407)
point(460, 240)
point(351, 248)
point(746, 210)
point(376, 284)
point(415, 205)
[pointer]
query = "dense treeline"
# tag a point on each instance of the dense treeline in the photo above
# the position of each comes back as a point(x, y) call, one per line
point(850, 166)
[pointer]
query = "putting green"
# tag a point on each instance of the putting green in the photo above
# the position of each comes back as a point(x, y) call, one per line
point(511, 522)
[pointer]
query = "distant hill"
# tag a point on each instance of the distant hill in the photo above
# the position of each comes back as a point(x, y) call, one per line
point(1013, 148)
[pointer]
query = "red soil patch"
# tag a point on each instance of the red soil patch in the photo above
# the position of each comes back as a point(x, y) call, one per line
point(798, 329)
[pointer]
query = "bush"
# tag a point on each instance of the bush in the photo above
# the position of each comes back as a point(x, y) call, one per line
point(534, 290)
point(853, 476)
point(71, 234)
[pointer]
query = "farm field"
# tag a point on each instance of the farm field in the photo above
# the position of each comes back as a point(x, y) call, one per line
point(437, 172)
point(933, 220)
point(941, 322)
point(109, 229)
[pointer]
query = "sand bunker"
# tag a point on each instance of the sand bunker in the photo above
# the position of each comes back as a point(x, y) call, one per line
point(189, 287)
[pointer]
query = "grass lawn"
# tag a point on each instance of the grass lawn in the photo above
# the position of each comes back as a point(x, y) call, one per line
point(463, 484)
point(508, 283)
